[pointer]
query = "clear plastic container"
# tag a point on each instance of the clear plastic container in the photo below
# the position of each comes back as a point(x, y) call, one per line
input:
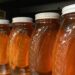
point(64, 48)
point(4, 34)
point(19, 43)
point(43, 38)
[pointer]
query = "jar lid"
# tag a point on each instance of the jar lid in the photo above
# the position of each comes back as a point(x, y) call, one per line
point(68, 9)
point(21, 19)
point(4, 21)
point(47, 15)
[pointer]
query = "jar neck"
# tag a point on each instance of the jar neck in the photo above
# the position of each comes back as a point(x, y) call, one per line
point(47, 22)
point(25, 25)
point(5, 26)
point(68, 19)
point(70, 16)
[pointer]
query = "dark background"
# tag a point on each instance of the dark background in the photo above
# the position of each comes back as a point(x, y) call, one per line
point(16, 8)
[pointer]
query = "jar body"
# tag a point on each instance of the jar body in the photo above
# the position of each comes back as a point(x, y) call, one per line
point(63, 53)
point(18, 47)
point(4, 34)
point(42, 45)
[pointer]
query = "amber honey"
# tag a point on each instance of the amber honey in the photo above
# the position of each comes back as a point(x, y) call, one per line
point(4, 36)
point(64, 48)
point(43, 38)
point(19, 44)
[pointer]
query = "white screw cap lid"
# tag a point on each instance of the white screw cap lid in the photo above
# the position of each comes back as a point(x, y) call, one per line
point(21, 19)
point(68, 9)
point(4, 21)
point(47, 15)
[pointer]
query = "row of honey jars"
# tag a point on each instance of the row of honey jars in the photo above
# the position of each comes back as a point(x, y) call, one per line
point(23, 49)
point(15, 49)
point(46, 52)
point(14, 45)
